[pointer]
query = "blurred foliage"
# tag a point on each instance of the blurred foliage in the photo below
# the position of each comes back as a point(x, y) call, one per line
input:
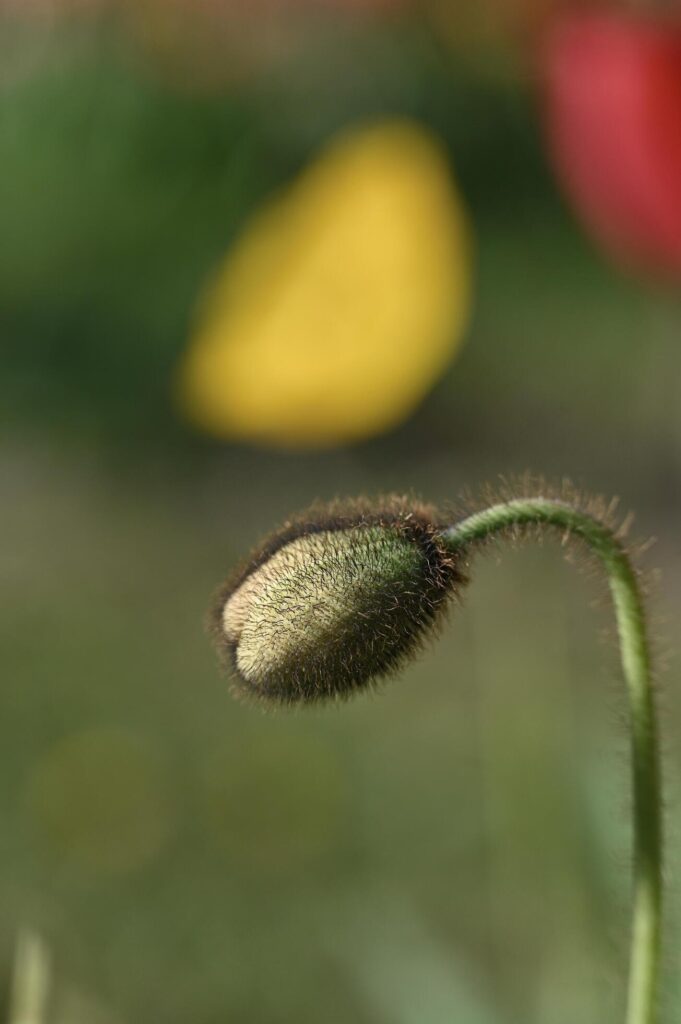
point(455, 849)
point(116, 199)
point(120, 196)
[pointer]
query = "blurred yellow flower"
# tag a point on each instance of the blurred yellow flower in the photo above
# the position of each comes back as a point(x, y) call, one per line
point(341, 304)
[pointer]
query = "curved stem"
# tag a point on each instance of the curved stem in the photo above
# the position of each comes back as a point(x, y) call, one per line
point(635, 657)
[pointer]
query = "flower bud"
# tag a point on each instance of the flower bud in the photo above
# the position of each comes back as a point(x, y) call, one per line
point(335, 600)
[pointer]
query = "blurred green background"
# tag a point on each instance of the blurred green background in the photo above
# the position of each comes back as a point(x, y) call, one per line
point(454, 849)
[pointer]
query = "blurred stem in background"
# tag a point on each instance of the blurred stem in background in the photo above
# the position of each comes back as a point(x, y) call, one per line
point(31, 980)
point(507, 517)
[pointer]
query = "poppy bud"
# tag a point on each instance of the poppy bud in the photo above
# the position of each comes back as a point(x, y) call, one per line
point(337, 599)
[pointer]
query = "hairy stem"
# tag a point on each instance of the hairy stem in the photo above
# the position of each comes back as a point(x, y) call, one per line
point(635, 657)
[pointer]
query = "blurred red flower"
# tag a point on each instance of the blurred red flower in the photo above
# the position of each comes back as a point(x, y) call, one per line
point(612, 93)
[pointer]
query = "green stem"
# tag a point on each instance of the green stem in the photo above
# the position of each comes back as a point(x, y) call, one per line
point(635, 657)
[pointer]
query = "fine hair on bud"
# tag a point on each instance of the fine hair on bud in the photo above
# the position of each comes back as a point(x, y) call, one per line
point(338, 598)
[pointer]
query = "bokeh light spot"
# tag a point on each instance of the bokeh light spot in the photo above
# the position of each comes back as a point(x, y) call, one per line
point(101, 800)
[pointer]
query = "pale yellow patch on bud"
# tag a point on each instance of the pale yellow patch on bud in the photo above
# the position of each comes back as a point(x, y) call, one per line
point(304, 592)
point(258, 589)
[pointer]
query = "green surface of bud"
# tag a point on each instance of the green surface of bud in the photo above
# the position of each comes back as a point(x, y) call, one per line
point(337, 599)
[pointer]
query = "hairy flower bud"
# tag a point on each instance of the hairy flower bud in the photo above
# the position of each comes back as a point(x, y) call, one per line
point(338, 598)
